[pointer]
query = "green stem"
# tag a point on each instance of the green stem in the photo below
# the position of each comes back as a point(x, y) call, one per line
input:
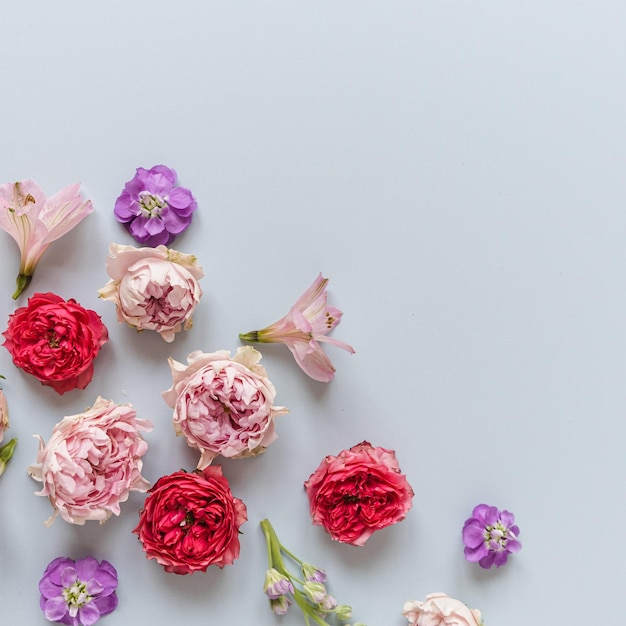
point(307, 610)
point(269, 531)
point(252, 336)
point(291, 555)
point(274, 556)
point(270, 560)
point(275, 560)
point(22, 281)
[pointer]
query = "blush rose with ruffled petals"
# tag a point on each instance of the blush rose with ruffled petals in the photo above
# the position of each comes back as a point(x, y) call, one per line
point(56, 341)
point(92, 462)
point(223, 405)
point(441, 610)
point(153, 288)
point(190, 521)
point(357, 492)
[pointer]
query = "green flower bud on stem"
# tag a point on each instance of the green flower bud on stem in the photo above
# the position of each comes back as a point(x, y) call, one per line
point(22, 281)
point(6, 452)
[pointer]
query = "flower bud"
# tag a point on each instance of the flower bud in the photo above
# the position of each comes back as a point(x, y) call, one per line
point(280, 605)
point(328, 603)
point(315, 592)
point(312, 573)
point(276, 585)
point(6, 452)
point(344, 612)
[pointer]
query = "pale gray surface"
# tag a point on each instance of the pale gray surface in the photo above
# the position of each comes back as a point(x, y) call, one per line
point(457, 170)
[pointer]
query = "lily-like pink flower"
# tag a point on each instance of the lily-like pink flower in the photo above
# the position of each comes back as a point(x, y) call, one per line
point(4, 414)
point(35, 221)
point(305, 326)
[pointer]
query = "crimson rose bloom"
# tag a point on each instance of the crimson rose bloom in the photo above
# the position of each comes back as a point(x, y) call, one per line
point(191, 520)
point(56, 341)
point(358, 492)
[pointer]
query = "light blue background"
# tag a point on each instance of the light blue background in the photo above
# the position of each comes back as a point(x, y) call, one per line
point(457, 170)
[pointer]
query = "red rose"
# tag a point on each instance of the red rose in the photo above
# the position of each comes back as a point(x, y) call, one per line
point(191, 521)
point(55, 341)
point(358, 492)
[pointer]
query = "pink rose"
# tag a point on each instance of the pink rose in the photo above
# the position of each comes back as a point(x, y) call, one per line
point(190, 521)
point(440, 610)
point(153, 288)
point(91, 462)
point(56, 341)
point(358, 492)
point(223, 405)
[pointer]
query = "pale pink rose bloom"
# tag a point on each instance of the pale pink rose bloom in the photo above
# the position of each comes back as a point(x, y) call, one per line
point(35, 222)
point(223, 405)
point(92, 462)
point(307, 323)
point(4, 414)
point(440, 610)
point(153, 288)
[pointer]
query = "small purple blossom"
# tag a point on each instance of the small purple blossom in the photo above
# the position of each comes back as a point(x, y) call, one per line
point(315, 592)
point(328, 602)
point(78, 593)
point(276, 584)
point(280, 605)
point(490, 535)
point(152, 208)
point(310, 594)
point(312, 573)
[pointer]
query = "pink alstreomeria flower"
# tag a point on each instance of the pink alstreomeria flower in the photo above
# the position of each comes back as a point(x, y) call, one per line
point(4, 414)
point(35, 221)
point(307, 323)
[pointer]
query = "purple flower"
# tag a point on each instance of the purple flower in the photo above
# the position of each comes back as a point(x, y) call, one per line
point(280, 605)
point(276, 584)
point(315, 592)
point(152, 208)
point(78, 593)
point(490, 535)
point(312, 573)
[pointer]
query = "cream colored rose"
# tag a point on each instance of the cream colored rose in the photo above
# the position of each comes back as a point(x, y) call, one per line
point(440, 610)
point(153, 288)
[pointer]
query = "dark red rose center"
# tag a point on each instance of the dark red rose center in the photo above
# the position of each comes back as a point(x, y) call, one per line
point(53, 339)
point(350, 498)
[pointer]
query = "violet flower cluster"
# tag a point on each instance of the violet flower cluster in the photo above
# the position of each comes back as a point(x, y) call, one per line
point(153, 208)
point(490, 535)
point(78, 593)
point(307, 589)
